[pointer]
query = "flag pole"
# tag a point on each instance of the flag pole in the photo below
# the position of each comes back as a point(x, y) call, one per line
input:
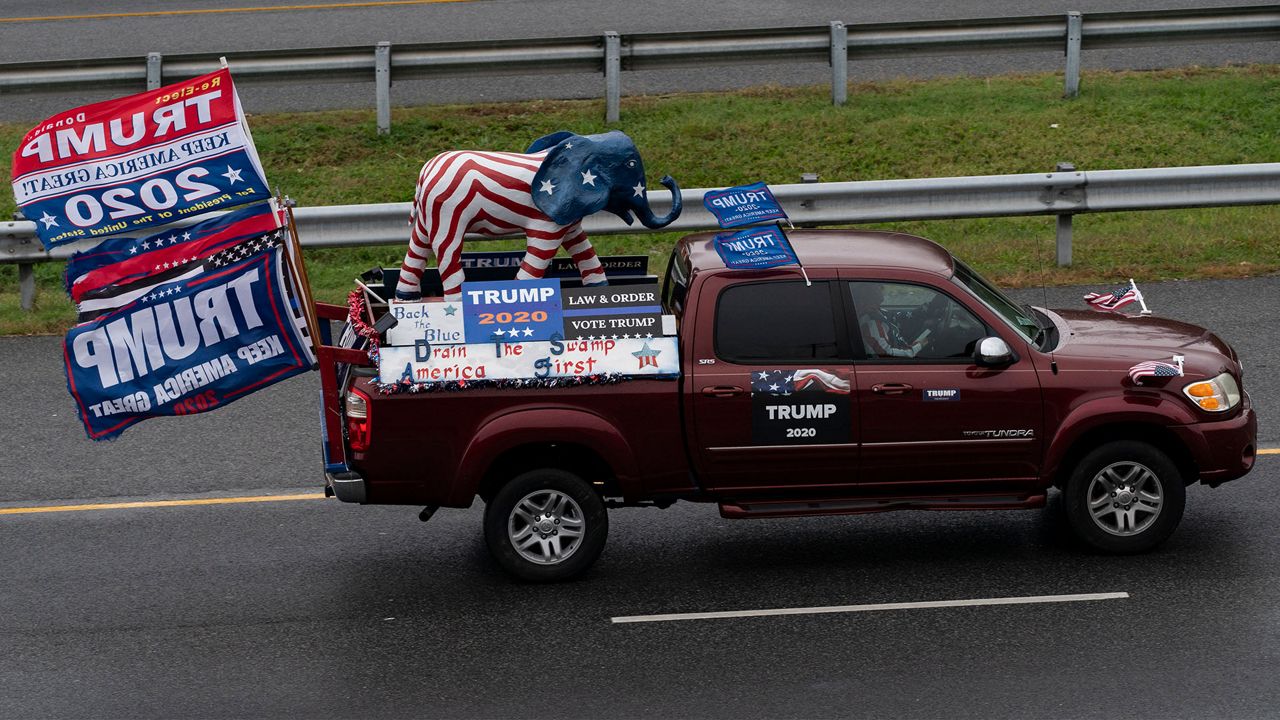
point(805, 273)
point(1141, 301)
point(298, 268)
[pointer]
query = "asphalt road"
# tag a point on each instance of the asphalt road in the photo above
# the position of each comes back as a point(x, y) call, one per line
point(178, 30)
point(312, 608)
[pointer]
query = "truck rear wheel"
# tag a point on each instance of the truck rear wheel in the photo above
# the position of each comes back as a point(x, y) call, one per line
point(546, 525)
point(1124, 497)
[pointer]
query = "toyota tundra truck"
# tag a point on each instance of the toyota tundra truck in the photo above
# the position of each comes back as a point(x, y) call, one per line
point(887, 375)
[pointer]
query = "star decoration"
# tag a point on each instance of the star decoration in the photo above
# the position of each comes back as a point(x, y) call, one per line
point(232, 176)
point(647, 356)
point(186, 236)
point(133, 251)
point(528, 332)
point(450, 309)
point(568, 146)
point(49, 221)
point(588, 178)
point(146, 245)
point(513, 332)
point(173, 239)
point(639, 188)
point(547, 187)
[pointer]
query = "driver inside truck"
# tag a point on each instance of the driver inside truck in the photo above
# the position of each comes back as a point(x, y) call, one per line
point(881, 336)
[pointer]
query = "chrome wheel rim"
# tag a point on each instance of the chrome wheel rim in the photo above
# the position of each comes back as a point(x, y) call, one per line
point(1125, 498)
point(546, 527)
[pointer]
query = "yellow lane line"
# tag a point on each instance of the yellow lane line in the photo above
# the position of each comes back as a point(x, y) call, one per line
point(1270, 451)
point(159, 503)
point(213, 11)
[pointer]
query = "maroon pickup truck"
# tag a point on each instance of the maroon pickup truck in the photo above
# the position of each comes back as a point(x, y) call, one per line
point(897, 379)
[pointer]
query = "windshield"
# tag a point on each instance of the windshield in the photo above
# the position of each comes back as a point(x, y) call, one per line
point(1021, 318)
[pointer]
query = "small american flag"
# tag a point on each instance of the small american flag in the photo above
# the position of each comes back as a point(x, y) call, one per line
point(1153, 368)
point(1115, 299)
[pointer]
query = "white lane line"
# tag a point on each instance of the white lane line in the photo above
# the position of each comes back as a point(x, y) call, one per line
point(1026, 600)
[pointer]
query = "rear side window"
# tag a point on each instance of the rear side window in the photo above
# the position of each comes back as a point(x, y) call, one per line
point(677, 284)
point(776, 322)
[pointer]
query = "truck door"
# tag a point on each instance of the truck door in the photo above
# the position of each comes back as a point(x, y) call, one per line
point(772, 392)
point(928, 412)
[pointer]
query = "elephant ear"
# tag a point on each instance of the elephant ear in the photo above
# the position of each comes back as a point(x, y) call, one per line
point(547, 141)
point(570, 184)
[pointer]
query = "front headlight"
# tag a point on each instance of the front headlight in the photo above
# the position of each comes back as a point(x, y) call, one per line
point(1217, 395)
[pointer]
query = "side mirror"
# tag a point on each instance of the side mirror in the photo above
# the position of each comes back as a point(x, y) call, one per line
point(993, 352)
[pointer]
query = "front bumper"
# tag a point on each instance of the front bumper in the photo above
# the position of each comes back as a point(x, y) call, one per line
point(347, 486)
point(1224, 449)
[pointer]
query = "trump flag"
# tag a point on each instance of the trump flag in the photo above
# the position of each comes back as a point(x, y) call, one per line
point(137, 162)
point(186, 347)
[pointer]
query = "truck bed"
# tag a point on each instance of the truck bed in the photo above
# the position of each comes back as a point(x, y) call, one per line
point(419, 439)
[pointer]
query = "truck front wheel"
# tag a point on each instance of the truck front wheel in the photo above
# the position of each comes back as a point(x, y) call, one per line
point(1124, 497)
point(546, 525)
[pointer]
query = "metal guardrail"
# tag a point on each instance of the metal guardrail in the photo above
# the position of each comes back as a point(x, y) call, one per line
point(611, 54)
point(1063, 194)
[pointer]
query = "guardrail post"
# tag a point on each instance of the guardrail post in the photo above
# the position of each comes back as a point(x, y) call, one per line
point(27, 285)
point(839, 62)
point(612, 76)
point(1074, 33)
point(154, 70)
point(1064, 240)
point(382, 85)
point(1063, 223)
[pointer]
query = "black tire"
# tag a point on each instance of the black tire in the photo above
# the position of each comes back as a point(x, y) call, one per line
point(1121, 528)
point(585, 514)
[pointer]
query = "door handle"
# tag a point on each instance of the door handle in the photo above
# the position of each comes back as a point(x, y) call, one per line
point(890, 388)
point(722, 391)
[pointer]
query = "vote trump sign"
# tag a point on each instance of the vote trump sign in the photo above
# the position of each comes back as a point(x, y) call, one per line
point(136, 162)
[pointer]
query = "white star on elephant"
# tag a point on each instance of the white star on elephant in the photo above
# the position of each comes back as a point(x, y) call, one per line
point(588, 178)
point(232, 176)
point(49, 221)
point(639, 188)
point(547, 187)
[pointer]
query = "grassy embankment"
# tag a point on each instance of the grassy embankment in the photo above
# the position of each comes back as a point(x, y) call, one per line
point(903, 129)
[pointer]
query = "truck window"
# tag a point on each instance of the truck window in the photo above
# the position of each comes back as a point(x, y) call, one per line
point(776, 322)
point(903, 322)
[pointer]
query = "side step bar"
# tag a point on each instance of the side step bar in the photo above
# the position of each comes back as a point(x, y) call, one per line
point(742, 509)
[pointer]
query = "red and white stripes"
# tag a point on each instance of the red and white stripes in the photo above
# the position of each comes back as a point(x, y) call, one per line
point(488, 193)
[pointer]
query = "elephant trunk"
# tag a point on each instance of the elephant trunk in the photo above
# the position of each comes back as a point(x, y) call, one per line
point(645, 214)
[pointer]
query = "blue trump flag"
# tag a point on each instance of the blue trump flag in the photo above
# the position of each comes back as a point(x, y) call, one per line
point(743, 205)
point(755, 249)
point(186, 347)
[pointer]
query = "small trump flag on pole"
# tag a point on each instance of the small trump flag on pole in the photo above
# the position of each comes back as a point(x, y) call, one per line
point(757, 247)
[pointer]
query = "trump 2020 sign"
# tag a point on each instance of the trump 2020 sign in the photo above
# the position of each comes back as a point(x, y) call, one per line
point(149, 159)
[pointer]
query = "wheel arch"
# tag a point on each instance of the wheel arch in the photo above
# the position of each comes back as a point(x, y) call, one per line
point(570, 439)
point(1157, 435)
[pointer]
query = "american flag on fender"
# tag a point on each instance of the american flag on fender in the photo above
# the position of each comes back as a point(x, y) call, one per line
point(1113, 300)
point(1153, 368)
point(786, 382)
